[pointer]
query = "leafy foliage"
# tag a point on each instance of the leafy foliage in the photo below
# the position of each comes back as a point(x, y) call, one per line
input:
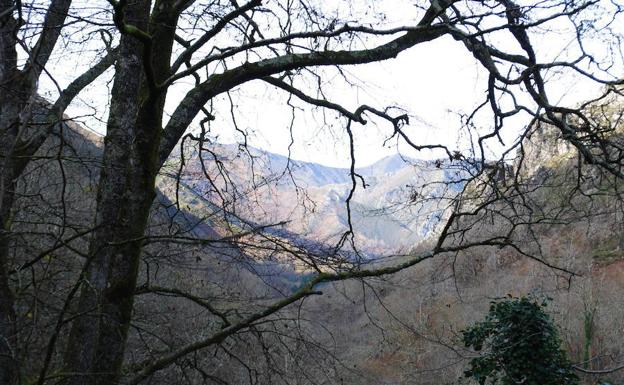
point(521, 345)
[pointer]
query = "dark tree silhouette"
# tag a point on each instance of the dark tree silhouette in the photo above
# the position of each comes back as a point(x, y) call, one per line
point(221, 46)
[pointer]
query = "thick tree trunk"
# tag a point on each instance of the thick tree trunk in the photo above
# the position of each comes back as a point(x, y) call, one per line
point(9, 126)
point(9, 364)
point(115, 225)
point(96, 345)
point(14, 115)
point(17, 91)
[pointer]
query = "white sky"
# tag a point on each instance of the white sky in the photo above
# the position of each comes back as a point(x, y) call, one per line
point(432, 82)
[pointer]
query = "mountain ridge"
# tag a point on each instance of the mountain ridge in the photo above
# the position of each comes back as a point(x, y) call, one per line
point(264, 188)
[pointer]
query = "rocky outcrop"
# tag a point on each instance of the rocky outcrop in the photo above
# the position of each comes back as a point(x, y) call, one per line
point(543, 148)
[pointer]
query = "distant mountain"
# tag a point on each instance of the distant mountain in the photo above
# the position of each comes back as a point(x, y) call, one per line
point(391, 213)
point(388, 165)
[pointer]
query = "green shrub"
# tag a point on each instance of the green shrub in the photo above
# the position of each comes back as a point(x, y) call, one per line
point(520, 345)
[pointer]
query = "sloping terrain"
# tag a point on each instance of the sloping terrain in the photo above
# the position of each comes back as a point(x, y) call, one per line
point(186, 265)
point(397, 203)
point(401, 329)
point(404, 329)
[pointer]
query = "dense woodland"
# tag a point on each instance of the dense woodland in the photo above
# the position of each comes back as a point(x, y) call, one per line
point(143, 250)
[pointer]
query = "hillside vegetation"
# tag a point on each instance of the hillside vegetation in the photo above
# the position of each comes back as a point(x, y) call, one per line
point(210, 261)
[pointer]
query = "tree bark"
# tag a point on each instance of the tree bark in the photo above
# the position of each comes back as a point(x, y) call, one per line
point(9, 364)
point(9, 367)
point(114, 223)
point(96, 345)
point(9, 111)
point(17, 96)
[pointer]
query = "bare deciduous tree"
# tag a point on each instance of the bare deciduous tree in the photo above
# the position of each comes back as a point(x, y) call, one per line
point(223, 45)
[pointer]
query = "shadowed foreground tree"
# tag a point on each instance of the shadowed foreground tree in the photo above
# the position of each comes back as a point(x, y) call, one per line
point(222, 46)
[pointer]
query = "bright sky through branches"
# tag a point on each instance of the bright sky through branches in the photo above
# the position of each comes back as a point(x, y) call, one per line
point(433, 83)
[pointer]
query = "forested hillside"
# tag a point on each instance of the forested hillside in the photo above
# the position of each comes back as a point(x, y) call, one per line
point(479, 152)
point(402, 329)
